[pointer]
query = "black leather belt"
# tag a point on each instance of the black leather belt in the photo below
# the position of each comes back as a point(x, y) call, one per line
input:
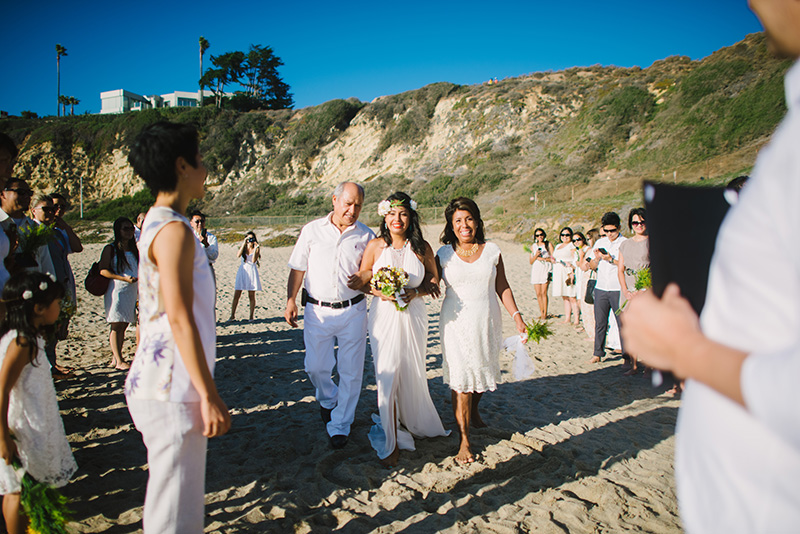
point(335, 305)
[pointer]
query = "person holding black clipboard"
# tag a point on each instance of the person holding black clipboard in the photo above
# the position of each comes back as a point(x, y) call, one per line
point(738, 434)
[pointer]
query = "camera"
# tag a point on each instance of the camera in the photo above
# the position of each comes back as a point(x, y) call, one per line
point(251, 239)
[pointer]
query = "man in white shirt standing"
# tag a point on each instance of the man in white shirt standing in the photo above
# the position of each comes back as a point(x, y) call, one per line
point(325, 262)
point(603, 257)
point(737, 459)
point(206, 238)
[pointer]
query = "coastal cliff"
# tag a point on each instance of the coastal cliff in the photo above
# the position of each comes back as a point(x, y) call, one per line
point(573, 132)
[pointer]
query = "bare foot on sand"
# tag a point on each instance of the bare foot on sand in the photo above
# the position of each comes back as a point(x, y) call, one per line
point(595, 359)
point(465, 455)
point(391, 460)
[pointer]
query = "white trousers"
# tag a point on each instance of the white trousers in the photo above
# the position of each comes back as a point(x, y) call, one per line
point(348, 328)
point(176, 454)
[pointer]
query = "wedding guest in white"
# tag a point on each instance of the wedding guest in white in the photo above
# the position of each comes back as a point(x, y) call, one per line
point(137, 227)
point(603, 257)
point(541, 260)
point(470, 322)
point(170, 388)
point(206, 238)
point(247, 278)
point(737, 458)
point(399, 338)
point(325, 262)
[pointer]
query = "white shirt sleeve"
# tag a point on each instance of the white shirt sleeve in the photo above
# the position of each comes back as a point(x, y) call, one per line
point(299, 258)
point(769, 387)
point(212, 250)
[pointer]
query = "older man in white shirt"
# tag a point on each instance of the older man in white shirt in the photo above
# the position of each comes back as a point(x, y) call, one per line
point(328, 256)
point(738, 436)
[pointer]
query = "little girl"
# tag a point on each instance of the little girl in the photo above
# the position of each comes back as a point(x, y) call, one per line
point(30, 424)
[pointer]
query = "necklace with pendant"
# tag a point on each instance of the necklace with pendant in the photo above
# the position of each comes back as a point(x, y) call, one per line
point(466, 253)
point(398, 254)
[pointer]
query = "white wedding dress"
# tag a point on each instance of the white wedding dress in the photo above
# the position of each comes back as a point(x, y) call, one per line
point(398, 340)
point(470, 322)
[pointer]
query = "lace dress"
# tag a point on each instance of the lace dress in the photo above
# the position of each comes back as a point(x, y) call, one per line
point(566, 257)
point(470, 322)
point(35, 421)
point(398, 340)
point(247, 276)
point(120, 298)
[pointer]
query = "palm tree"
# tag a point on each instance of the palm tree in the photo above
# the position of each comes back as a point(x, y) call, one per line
point(60, 51)
point(203, 47)
point(72, 101)
point(62, 101)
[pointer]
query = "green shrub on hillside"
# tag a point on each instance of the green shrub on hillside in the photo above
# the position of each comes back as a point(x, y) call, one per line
point(708, 78)
point(124, 206)
point(321, 125)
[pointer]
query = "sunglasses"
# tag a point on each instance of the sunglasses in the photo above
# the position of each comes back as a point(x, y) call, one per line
point(21, 192)
point(578, 240)
point(538, 235)
point(637, 223)
point(46, 209)
point(566, 235)
point(611, 230)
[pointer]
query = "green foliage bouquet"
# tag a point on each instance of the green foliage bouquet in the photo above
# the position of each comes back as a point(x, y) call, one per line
point(538, 330)
point(44, 505)
point(391, 281)
point(32, 237)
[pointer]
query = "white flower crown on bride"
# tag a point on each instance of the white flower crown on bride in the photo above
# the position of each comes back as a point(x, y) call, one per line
point(384, 207)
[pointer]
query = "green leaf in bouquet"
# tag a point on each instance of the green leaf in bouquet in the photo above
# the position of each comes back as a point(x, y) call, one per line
point(538, 330)
point(643, 279)
point(44, 505)
point(32, 237)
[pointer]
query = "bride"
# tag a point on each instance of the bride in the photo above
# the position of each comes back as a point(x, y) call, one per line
point(399, 338)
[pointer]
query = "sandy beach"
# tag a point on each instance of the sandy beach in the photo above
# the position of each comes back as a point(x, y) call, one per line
point(575, 448)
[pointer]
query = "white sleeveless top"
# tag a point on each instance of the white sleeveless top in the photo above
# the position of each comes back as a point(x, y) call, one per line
point(158, 372)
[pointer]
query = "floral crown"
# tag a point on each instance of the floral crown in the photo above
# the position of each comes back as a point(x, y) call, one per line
point(385, 206)
point(28, 294)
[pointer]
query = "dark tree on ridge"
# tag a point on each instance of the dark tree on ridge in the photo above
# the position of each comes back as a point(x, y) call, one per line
point(203, 47)
point(256, 72)
point(60, 51)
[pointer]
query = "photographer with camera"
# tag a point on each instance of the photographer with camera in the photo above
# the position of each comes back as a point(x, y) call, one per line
point(206, 238)
point(247, 276)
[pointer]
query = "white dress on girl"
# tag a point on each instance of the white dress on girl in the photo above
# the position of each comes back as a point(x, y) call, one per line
point(399, 340)
point(247, 276)
point(35, 421)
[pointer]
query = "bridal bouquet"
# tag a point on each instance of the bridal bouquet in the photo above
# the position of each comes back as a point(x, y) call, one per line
point(45, 506)
point(391, 281)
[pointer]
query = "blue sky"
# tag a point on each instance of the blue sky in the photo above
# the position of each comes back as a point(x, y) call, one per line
point(337, 49)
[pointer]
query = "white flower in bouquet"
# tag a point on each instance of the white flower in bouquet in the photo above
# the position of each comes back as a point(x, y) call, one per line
point(391, 281)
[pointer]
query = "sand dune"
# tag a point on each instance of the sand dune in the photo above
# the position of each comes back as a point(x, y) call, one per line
point(575, 448)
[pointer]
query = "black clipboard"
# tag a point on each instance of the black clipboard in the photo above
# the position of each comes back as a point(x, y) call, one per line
point(682, 223)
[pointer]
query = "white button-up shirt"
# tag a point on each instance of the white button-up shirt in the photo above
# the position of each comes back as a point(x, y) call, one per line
point(607, 278)
point(329, 257)
point(738, 469)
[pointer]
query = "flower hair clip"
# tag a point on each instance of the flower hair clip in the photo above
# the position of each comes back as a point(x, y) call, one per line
point(384, 206)
point(27, 294)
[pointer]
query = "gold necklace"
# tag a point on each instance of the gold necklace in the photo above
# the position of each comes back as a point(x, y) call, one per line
point(466, 253)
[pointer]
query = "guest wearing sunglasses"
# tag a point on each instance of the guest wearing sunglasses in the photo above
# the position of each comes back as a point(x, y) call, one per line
point(634, 255)
point(566, 257)
point(604, 258)
point(15, 199)
point(581, 275)
point(541, 259)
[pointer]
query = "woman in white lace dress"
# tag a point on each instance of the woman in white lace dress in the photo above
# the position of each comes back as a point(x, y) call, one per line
point(30, 426)
point(470, 322)
point(399, 337)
